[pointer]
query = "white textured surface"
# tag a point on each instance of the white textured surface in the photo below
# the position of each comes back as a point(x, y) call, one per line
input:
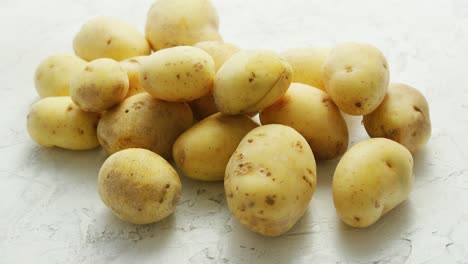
point(49, 208)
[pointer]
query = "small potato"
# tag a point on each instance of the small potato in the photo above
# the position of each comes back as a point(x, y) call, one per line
point(250, 81)
point(356, 77)
point(53, 75)
point(203, 151)
point(132, 66)
point(306, 64)
point(57, 121)
point(203, 107)
point(314, 115)
point(173, 23)
point(142, 121)
point(178, 74)
point(100, 85)
point(372, 178)
point(107, 37)
point(270, 179)
point(403, 117)
point(139, 186)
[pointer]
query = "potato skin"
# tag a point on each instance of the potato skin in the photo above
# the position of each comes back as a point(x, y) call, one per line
point(108, 37)
point(372, 178)
point(203, 151)
point(132, 66)
point(139, 186)
point(270, 179)
point(250, 81)
point(142, 121)
point(356, 77)
point(57, 121)
point(403, 117)
point(314, 115)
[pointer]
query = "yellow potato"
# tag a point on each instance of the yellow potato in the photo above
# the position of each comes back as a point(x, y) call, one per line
point(139, 186)
point(132, 66)
point(57, 121)
point(108, 37)
point(403, 117)
point(100, 85)
point(203, 107)
point(178, 74)
point(356, 77)
point(270, 179)
point(203, 151)
point(250, 81)
point(372, 178)
point(314, 115)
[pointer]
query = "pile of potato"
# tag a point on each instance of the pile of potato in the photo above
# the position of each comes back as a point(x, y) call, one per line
point(191, 101)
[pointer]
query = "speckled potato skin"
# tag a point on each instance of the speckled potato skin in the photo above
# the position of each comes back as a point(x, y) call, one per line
point(173, 23)
point(132, 66)
point(108, 37)
point(403, 117)
point(57, 121)
point(270, 179)
point(53, 75)
point(356, 77)
point(101, 84)
point(307, 65)
point(142, 121)
point(203, 107)
point(250, 81)
point(314, 115)
point(372, 178)
point(178, 74)
point(139, 186)
point(203, 151)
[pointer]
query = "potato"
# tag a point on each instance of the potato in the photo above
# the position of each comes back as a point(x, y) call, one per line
point(203, 151)
point(53, 75)
point(250, 81)
point(314, 115)
point(403, 117)
point(203, 107)
point(173, 23)
point(132, 66)
point(178, 74)
point(108, 37)
point(356, 77)
point(142, 121)
point(306, 64)
point(270, 179)
point(57, 121)
point(100, 85)
point(372, 178)
point(139, 186)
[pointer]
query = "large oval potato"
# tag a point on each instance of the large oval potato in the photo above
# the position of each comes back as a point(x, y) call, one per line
point(203, 151)
point(142, 121)
point(403, 117)
point(139, 186)
point(250, 81)
point(270, 179)
point(356, 77)
point(57, 121)
point(132, 66)
point(372, 178)
point(107, 37)
point(314, 115)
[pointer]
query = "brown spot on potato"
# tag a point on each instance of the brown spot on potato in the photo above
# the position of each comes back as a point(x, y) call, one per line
point(243, 168)
point(309, 171)
point(246, 194)
point(134, 61)
point(268, 174)
point(167, 186)
point(88, 69)
point(358, 104)
point(252, 77)
point(270, 200)
point(298, 146)
point(413, 134)
point(80, 131)
point(109, 41)
point(69, 108)
point(145, 77)
point(307, 180)
point(260, 212)
point(376, 204)
point(182, 158)
point(250, 140)
point(384, 65)
point(240, 156)
point(357, 218)
point(139, 209)
point(178, 76)
point(417, 109)
point(230, 195)
point(51, 66)
point(260, 134)
point(126, 110)
point(388, 164)
point(198, 66)
point(251, 204)
point(348, 68)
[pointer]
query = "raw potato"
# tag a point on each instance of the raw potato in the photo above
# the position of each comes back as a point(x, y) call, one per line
point(307, 65)
point(356, 77)
point(132, 66)
point(270, 179)
point(107, 37)
point(142, 121)
point(372, 178)
point(181, 23)
point(203, 151)
point(250, 81)
point(100, 85)
point(57, 121)
point(314, 115)
point(203, 107)
point(53, 75)
point(178, 74)
point(403, 117)
point(139, 186)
